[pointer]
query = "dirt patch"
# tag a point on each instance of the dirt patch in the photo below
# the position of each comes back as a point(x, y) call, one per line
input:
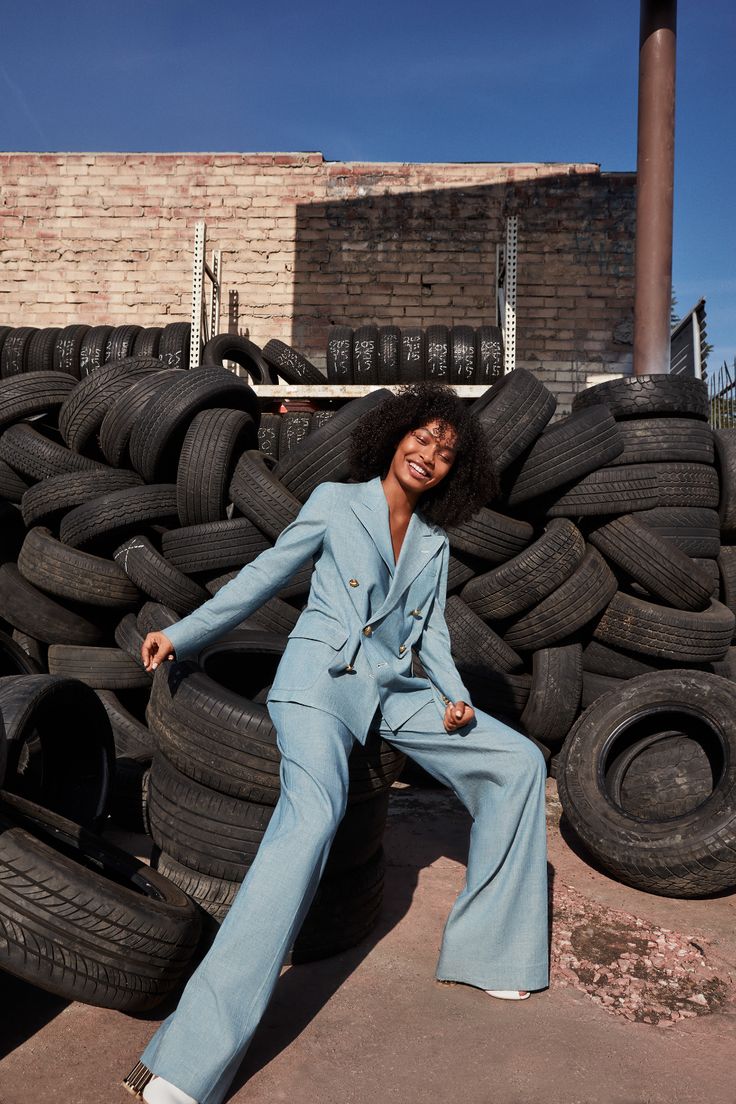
point(631, 968)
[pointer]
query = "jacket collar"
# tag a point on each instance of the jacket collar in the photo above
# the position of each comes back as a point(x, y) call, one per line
point(421, 542)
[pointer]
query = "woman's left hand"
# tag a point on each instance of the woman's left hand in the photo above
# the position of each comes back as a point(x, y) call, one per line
point(457, 714)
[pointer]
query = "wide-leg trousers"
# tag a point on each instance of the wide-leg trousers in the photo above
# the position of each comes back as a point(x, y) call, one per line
point(495, 936)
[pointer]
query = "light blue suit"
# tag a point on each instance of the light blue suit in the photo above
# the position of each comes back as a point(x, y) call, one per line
point(346, 666)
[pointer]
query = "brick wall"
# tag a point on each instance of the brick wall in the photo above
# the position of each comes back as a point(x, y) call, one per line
point(306, 243)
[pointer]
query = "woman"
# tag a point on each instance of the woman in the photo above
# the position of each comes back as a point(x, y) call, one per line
point(379, 585)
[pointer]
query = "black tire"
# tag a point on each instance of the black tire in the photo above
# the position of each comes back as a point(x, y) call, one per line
point(129, 640)
point(725, 442)
point(12, 485)
point(68, 348)
point(438, 354)
point(14, 660)
point(659, 439)
point(132, 738)
point(154, 617)
point(85, 920)
point(33, 393)
point(268, 435)
point(122, 414)
point(595, 686)
point(606, 491)
point(216, 736)
point(120, 343)
point(158, 434)
point(84, 410)
point(639, 626)
point(365, 355)
point(14, 355)
point(100, 668)
point(59, 745)
point(93, 349)
point(291, 365)
point(388, 354)
point(260, 496)
point(340, 354)
point(727, 573)
point(241, 351)
point(659, 567)
point(324, 454)
point(294, 428)
point(46, 502)
point(26, 608)
point(212, 446)
point(603, 659)
point(40, 458)
point(35, 650)
point(147, 342)
point(685, 485)
point(67, 573)
point(157, 578)
point(643, 396)
point(174, 346)
point(490, 536)
point(216, 546)
point(514, 411)
point(527, 578)
point(694, 531)
point(109, 519)
point(567, 450)
point(488, 355)
point(412, 354)
point(477, 649)
point(462, 355)
point(568, 608)
point(40, 356)
point(554, 700)
point(692, 854)
point(129, 800)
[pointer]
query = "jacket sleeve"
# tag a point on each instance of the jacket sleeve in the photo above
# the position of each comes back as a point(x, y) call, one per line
point(433, 647)
point(259, 580)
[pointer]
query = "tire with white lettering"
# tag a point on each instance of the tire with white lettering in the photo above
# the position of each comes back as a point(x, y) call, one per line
point(365, 355)
point(412, 354)
point(643, 396)
point(147, 342)
point(488, 354)
point(174, 345)
point(462, 354)
point(268, 435)
point(68, 348)
point(93, 348)
point(155, 576)
point(689, 718)
point(120, 343)
point(291, 365)
point(14, 355)
point(325, 454)
point(388, 354)
point(294, 428)
point(340, 354)
point(438, 354)
point(85, 920)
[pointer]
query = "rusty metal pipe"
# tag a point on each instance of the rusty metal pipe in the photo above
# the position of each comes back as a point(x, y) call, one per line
point(655, 167)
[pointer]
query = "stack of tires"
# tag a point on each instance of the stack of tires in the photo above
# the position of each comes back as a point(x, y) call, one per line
point(77, 349)
point(389, 354)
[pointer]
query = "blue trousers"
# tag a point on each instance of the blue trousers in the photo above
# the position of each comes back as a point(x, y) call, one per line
point(495, 936)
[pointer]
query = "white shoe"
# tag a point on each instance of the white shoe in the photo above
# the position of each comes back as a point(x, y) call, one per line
point(158, 1091)
point(508, 994)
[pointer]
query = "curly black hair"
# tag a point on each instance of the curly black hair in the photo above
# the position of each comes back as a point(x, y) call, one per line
point(471, 481)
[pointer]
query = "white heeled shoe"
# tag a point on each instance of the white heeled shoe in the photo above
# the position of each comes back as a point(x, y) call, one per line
point(508, 994)
point(158, 1091)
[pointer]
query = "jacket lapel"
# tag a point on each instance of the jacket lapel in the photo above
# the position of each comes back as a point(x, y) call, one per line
point(421, 542)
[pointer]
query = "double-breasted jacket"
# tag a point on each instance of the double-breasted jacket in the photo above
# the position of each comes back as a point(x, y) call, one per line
point(351, 648)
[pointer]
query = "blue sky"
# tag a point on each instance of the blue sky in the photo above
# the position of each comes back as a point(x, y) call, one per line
point(388, 81)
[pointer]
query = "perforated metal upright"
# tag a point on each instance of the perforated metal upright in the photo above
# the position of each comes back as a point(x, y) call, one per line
point(505, 298)
point(200, 269)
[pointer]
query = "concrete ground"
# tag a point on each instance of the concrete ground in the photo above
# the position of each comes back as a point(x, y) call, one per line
point(372, 1024)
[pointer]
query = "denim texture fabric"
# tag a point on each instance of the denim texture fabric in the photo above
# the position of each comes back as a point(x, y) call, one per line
point(495, 936)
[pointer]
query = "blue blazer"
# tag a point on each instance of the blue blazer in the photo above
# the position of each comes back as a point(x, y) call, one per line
point(351, 648)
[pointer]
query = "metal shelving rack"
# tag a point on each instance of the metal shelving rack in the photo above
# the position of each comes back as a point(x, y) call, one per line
point(200, 270)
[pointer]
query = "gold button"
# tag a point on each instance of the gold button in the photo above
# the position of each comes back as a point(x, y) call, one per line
point(402, 647)
point(367, 631)
point(415, 612)
point(353, 582)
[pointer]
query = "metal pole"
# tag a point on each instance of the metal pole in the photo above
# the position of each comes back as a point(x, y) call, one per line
point(655, 162)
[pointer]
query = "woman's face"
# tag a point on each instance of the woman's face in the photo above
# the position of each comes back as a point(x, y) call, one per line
point(424, 457)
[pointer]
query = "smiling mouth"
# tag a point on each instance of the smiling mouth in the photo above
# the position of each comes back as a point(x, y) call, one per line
point(418, 471)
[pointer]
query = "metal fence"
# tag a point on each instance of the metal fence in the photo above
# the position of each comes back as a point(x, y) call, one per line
point(722, 394)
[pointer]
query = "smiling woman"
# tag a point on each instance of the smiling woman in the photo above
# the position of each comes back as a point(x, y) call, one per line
point(377, 595)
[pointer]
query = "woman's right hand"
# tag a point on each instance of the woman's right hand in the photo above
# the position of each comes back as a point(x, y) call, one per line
point(155, 649)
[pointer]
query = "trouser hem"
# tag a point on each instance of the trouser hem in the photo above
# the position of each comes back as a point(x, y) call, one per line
point(530, 978)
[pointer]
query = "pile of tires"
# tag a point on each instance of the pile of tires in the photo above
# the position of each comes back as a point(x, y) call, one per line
point(78, 349)
point(393, 354)
point(128, 497)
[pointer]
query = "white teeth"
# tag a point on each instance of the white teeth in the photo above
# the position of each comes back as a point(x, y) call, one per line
point(416, 467)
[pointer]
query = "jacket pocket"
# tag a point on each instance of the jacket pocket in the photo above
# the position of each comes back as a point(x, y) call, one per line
point(315, 625)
